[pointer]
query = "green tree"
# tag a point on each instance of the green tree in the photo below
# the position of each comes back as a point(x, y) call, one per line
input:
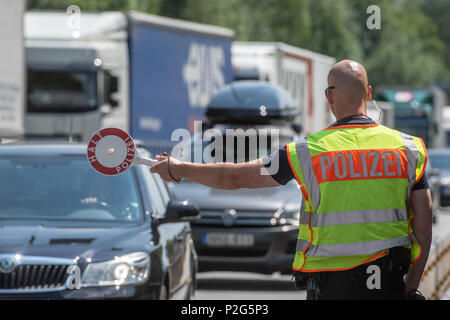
point(412, 47)
point(438, 11)
point(333, 29)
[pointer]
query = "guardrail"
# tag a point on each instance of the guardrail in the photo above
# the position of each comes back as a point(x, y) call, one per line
point(435, 280)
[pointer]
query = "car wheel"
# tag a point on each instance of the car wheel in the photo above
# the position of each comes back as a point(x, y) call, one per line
point(163, 292)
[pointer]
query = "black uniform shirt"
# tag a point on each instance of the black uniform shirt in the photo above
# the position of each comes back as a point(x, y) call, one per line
point(285, 174)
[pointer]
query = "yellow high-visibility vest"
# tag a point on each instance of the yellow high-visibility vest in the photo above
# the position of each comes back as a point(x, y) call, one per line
point(356, 181)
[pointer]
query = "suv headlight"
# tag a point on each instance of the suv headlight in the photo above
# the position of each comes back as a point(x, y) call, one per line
point(287, 217)
point(292, 217)
point(133, 268)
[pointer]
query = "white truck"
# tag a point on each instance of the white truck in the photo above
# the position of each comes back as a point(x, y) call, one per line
point(12, 69)
point(301, 72)
point(139, 72)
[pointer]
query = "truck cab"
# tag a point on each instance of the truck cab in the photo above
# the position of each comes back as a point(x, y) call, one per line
point(67, 93)
point(417, 112)
point(76, 81)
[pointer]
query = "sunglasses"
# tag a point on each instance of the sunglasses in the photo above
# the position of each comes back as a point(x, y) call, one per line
point(329, 88)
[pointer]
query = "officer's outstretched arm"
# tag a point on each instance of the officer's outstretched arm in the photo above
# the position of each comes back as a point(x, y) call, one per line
point(421, 205)
point(228, 176)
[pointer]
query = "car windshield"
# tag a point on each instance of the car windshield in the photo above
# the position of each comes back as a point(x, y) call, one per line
point(440, 161)
point(65, 188)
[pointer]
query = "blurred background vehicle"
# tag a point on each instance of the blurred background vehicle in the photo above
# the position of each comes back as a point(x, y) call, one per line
point(417, 112)
point(128, 235)
point(434, 180)
point(246, 230)
point(440, 163)
point(446, 125)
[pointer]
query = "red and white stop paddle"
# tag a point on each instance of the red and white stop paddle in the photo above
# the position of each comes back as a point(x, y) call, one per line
point(112, 151)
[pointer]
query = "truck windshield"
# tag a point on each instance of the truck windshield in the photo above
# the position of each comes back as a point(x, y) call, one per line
point(61, 91)
point(65, 188)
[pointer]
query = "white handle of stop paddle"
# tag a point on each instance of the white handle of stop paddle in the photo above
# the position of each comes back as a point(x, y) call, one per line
point(145, 161)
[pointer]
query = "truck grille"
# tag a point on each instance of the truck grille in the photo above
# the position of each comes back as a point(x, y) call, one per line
point(40, 276)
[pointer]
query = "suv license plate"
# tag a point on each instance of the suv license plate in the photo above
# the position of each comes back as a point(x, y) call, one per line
point(228, 239)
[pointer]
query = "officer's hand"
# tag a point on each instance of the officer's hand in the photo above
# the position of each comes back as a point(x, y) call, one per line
point(415, 295)
point(162, 167)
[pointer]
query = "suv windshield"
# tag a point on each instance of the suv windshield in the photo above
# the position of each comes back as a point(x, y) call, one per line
point(234, 148)
point(248, 149)
point(61, 91)
point(65, 188)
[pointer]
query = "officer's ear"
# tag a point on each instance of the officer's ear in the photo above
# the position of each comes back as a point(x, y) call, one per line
point(330, 96)
point(369, 93)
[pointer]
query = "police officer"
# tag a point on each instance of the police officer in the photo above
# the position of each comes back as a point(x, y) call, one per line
point(365, 223)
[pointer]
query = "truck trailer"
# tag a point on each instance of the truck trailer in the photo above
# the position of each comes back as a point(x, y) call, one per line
point(12, 69)
point(301, 72)
point(146, 74)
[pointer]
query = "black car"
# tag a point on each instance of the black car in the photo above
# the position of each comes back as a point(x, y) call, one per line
point(67, 232)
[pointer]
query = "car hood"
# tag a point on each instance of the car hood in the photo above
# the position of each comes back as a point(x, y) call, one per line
point(287, 197)
point(95, 243)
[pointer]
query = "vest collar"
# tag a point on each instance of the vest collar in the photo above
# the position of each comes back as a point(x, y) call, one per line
point(353, 120)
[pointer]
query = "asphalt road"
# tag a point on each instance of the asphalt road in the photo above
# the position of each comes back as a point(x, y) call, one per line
point(246, 286)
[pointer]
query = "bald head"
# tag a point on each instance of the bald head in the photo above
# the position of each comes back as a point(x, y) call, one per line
point(351, 86)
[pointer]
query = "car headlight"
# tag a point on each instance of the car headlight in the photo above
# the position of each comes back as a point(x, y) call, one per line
point(133, 268)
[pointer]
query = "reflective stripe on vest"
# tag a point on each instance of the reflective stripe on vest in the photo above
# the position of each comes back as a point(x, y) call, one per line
point(310, 179)
point(413, 156)
point(354, 217)
point(351, 249)
point(328, 161)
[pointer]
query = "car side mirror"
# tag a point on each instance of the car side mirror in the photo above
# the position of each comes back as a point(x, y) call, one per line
point(180, 211)
point(110, 87)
